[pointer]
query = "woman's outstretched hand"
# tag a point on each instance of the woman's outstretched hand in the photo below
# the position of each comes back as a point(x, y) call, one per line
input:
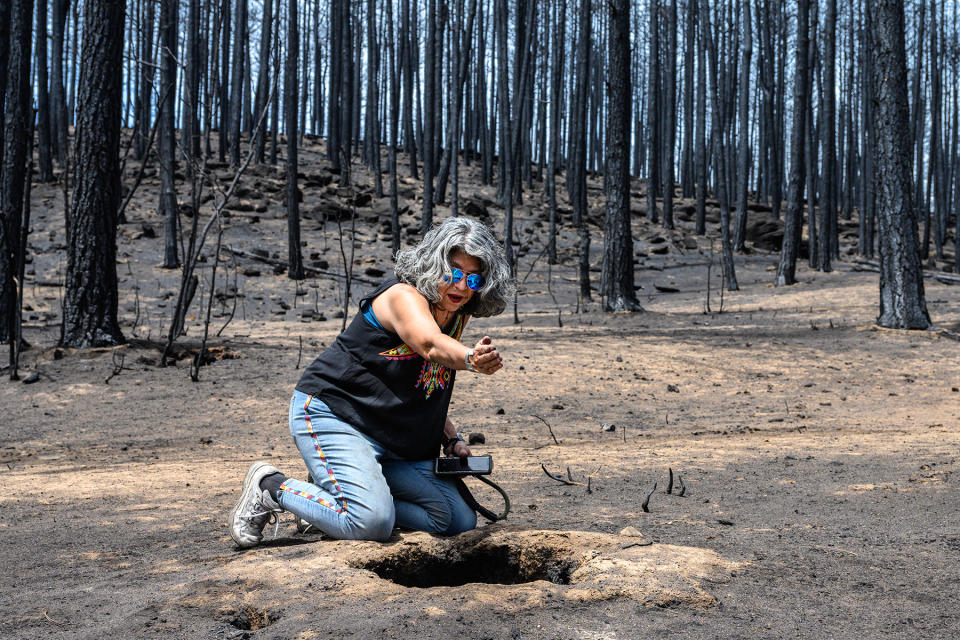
point(486, 359)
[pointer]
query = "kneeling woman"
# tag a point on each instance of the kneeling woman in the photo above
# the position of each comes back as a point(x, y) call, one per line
point(370, 413)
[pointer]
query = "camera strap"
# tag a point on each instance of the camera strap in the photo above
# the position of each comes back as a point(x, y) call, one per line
point(479, 508)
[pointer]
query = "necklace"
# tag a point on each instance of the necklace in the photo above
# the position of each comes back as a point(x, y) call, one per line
point(436, 313)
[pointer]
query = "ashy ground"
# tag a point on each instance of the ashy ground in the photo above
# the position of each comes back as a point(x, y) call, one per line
point(813, 455)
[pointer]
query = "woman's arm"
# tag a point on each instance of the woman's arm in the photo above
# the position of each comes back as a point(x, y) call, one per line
point(459, 448)
point(404, 311)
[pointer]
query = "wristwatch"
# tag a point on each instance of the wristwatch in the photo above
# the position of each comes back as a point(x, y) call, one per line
point(449, 443)
point(466, 361)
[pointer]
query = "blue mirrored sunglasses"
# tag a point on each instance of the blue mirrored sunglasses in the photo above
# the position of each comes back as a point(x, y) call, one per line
point(474, 280)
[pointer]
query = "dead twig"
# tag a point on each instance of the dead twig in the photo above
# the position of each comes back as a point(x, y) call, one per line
point(236, 294)
point(117, 366)
point(49, 619)
point(549, 428)
point(300, 351)
point(683, 487)
point(634, 544)
point(646, 501)
point(559, 478)
point(670, 481)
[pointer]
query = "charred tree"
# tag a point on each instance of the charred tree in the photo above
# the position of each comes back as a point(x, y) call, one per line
point(556, 91)
point(147, 74)
point(4, 65)
point(168, 208)
point(290, 100)
point(653, 113)
point(902, 301)
point(687, 173)
point(669, 112)
point(701, 138)
point(90, 292)
point(190, 124)
point(393, 73)
point(263, 80)
point(406, 71)
point(372, 128)
point(617, 273)
point(743, 144)
point(717, 134)
point(224, 84)
point(17, 119)
point(429, 125)
point(793, 216)
point(577, 167)
point(501, 14)
point(827, 222)
point(236, 82)
point(868, 140)
point(44, 151)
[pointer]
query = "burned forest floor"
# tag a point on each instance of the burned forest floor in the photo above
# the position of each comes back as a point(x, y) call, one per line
point(813, 453)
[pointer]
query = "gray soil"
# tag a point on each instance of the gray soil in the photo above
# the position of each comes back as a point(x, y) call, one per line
point(817, 451)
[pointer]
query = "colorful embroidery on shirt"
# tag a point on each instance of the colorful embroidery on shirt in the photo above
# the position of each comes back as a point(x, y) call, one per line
point(403, 352)
point(433, 376)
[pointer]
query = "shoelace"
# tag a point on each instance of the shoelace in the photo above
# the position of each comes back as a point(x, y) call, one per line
point(272, 518)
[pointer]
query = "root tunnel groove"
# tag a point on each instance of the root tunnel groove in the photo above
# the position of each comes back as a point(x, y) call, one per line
point(492, 564)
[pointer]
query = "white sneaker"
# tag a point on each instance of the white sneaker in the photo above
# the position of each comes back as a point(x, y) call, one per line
point(255, 508)
point(305, 527)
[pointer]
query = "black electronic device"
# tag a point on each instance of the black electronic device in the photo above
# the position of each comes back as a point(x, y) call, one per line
point(466, 466)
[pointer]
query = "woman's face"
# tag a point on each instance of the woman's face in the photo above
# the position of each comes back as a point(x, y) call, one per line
point(454, 295)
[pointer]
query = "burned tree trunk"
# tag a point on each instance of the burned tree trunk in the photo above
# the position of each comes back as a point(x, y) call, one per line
point(556, 89)
point(653, 113)
point(147, 74)
point(670, 117)
point(90, 297)
point(827, 223)
point(617, 275)
point(44, 152)
point(393, 72)
point(167, 142)
point(902, 301)
point(294, 255)
point(4, 63)
point(16, 127)
point(506, 142)
point(263, 81)
point(717, 133)
point(793, 217)
point(743, 145)
point(577, 167)
point(236, 82)
point(429, 126)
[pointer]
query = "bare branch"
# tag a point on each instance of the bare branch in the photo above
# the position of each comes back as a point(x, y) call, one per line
point(646, 501)
point(555, 441)
point(559, 478)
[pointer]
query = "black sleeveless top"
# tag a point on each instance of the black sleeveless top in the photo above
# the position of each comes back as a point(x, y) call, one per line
point(373, 381)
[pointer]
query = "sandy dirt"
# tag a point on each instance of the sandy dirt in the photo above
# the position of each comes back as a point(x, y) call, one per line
point(817, 451)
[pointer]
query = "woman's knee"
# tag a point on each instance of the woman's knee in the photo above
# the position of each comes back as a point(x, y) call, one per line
point(462, 518)
point(373, 524)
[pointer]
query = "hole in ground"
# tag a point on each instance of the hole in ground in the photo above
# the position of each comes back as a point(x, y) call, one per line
point(251, 619)
point(493, 564)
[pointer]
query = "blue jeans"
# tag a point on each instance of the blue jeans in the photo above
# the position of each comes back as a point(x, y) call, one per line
point(361, 489)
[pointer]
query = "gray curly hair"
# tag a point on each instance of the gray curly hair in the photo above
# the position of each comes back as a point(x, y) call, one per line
point(424, 265)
